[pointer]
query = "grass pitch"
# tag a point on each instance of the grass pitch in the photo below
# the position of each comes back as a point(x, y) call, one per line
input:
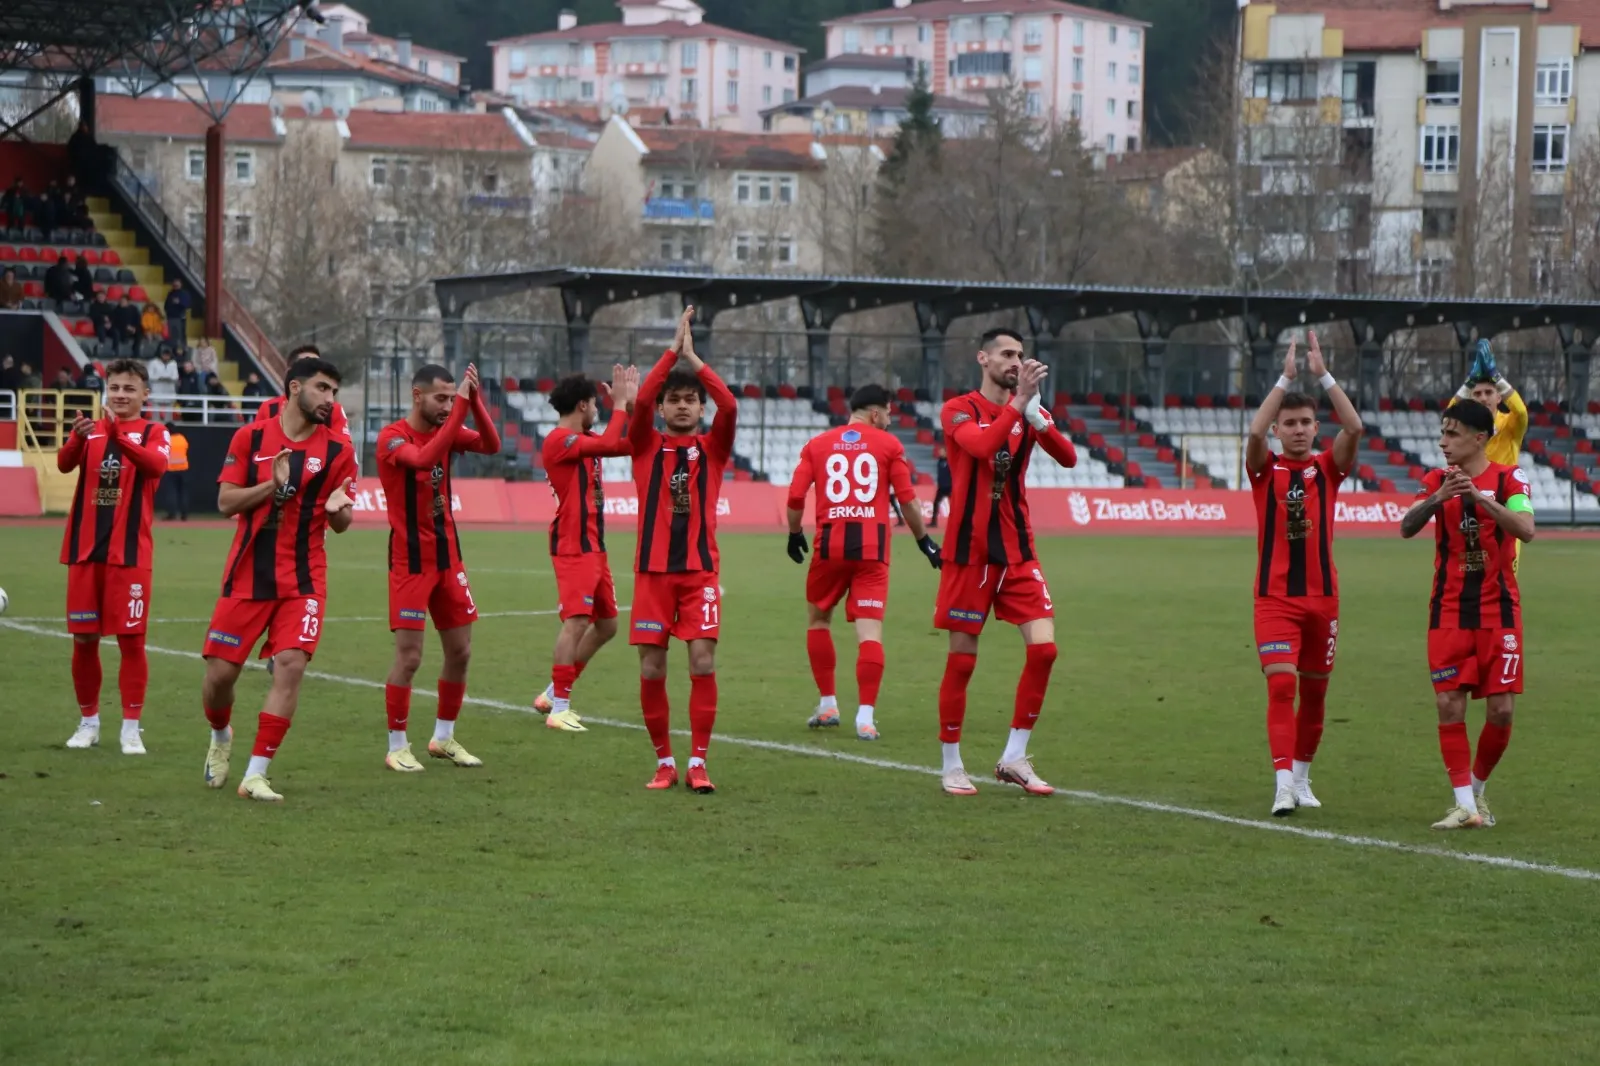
point(548, 909)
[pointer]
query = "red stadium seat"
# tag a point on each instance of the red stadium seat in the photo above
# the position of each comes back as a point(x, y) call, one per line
point(83, 328)
point(510, 385)
point(1236, 401)
point(137, 294)
point(1558, 460)
point(545, 384)
point(1114, 454)
point(1397, 459)
point(1202, 400)
point(1096, 441)
point(908, 421)
point(1387, 486)
point(28, 255)
point(1563, 432)
point(1584, 446)
point(7, 253)
point(1366, 473)
point(837, 393)
point(1594, 407)
point(1152, 483)
point(1147, 440)
point(924, 436)
point(905, 395)
point(1417, 473)
point(1062, 398)
point(1166, 455)
point(1107, 411)
point(1077, 425)
point(35, 289)
point(113, 293)
point(91, 256)
point(839, 407)
point(1541, 419)
point(1203, 483)
point(788, 392)
point(1094, 399)
point(110, 258)
point(1536, 447)
point(1416, 404)
point(1375, 444)
point(1386, 404)
point(1133, 470)
point(1171, 399)
point(1060, 412)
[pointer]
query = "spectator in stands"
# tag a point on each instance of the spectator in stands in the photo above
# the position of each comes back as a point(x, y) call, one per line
point(15, 204)
point(28, 377)
point(152, 324)
point(85, 155)
point(51, 208)
point(63, 381)
point(92, 378)
point(177, 307)
point(941, 478)
point(59, 281)
point(221, 412)
point(125, 327)
point(205, 357)
point(83, 279)
point(163, 384)
point(10, 291)
point(100, 312)
point(174, 486)
point(77, 205)
point(189, 385)
point(253, 385)
point(10, 376)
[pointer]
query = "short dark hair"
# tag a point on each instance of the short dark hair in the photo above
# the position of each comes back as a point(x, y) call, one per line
point(429, 373)
point(135, 367)
point(1482, 379)
point(990, 336)
point(1297, 401)
point(306, 369)
point(572, 392)
point(303, 350)
point(870, 396)
point(1471, 414)
point(681, 379)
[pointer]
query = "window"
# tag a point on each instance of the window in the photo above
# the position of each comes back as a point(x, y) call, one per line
point(963, 30)
point(379, 174)
point(422, 66)
point(657, 89)
point(1433, 277)
point(852, 41)
point(1077, 34)
point(788, 63)
point(689, 55)
point(1111, 107)
point(519, 61)
point(996, 28)
point(749, 248)
point(1111, 144)
point(586, 57)
point(786, 190)
point(1113, 30)
point(1033, 33)
point(1439, 223)
point(1133, 144)
point(766, 60)
point(195, 164)
point(689, 91)
point(1133, 74)
point(1111, 72)
point(1133, 109)
point(1441, 149)
point(1035, 103)
point(1552, 81)
point(1546, 213)
point(1359, 89)
point(1285, 82)
point(1032, 68)
point(733, 58)
point(883, 35)
point(924, 33)
point(398, 172)
point(1077, 70)
point(241, 229)
point(194, 225)
point(1546, 272)
point(766, 95)
point(139, 160)
point(1077, 106)
point(743, 247)
point(586, 90)
point(1133, 42)
point(1550, 149)
point(733, 93)
point(788, 96)
point(742, 188)
point(981, 63)
point(1444, 82)
point(639, 52)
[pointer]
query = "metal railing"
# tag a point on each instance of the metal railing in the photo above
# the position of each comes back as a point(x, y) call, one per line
point(8, 405)
point(47, 415)
point(204, 410)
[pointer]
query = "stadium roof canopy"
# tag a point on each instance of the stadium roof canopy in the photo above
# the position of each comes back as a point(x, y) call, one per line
point(65, 40)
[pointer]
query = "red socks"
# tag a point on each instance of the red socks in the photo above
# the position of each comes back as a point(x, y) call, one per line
point(451, 696)
point(657, 714)
point(1280, 719)
point(869, 672)
point(397, 705)
point(219, 717)
point(819, 648)
point(958, 668)
point(577, 671)
point(270, 730)
point(1308, 723)
point(1457, 752)
point(702, 712)
point(86, 677)
point(562, 677)
point(133, 677)
point(1491, 745)
point(1032, 685)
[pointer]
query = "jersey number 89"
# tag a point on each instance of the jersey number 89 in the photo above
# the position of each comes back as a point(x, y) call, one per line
point(841, 472)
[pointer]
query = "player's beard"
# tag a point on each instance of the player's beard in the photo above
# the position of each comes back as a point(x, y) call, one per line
point(314, 415)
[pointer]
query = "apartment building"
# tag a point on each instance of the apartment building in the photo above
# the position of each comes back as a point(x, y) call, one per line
point(867, 95)
point(1073, 63)
point(661, 54)
point(1446, 133)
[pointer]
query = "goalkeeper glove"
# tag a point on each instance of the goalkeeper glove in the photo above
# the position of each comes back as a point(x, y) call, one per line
point(797, 547)
point(931, 550)
point(1034, 413)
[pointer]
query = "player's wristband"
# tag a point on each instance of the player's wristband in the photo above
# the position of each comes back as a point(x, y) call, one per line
point(1502, 384)
point(1327, 381)
point(1034, 413)
point(1283, 383)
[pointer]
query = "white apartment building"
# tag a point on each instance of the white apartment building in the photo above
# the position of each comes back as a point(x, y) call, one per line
point(1072, 62)
point(661, 54)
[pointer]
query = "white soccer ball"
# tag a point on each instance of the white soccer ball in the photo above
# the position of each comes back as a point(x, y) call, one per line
point(5, 601)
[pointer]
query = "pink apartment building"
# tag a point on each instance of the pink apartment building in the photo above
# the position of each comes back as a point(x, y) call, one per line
point(662, 54)
point(1072, 62)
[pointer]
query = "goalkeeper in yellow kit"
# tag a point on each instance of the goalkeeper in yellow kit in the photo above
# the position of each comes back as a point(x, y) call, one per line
point(1489, 387)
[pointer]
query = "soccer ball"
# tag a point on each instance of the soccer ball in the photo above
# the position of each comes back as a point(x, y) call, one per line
point(5, 601)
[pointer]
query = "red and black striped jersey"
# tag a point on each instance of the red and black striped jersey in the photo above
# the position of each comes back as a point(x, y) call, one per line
point(338, 422)
point(853, 467)
point(279, 549)
point(1295, 501)
point(572, 463)
point(1474, 567)
point(679, 479)
point(119, 467)
point(990, 445)
point(414, 470)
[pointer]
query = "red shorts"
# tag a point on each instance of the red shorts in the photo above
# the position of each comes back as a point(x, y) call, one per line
point(443, 594)
point(584, 585)
point(686, 606)
point(1300, 630)
point(107, 600)
point(863, 585)
point(1017, 594)
point(1485, 662)
point(236, 625)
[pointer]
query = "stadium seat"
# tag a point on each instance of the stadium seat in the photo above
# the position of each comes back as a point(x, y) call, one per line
point(788, 392)
point(137, 294)
point(110, 257)
point(28, 255)
point(751, 392)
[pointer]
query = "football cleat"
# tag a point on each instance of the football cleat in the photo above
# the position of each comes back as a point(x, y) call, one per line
point(133, 743)
point(565, 721)
point(1303, 796)
point(1459, 817)
point(957, 783)
point(87, 735)
point(700, 781)
point(257, 787)
point(824, 719)
point(217, 757)
point(1020, 772)
point(1484, 812)
point(1283, 802)
point(666, 777)
point(543, 703)
point(867, 732)
point(403, 761)
point(451, 749)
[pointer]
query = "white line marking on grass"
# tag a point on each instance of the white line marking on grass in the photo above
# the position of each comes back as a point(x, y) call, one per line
point(1502, 861)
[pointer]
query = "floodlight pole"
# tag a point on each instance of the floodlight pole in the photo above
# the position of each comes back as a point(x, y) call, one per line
point(215, 173)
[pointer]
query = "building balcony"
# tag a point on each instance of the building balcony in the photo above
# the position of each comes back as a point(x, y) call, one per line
point(552, 70)
point(641, 70)
point(674, 210)
point(1002, 45)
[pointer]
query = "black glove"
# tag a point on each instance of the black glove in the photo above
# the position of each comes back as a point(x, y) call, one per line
point(797, 547)
point(931, 550)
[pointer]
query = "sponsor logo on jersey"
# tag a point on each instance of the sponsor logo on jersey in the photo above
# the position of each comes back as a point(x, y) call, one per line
point(414, 616)
point(1275, 647)
point(313, 465)
point(870, 603)
point(850, 436)
point(83, 616)
point(231, 460)
point(710, 594)
point(572, 438)
point(1446, 674)
point(311, 607)
point(1510, 641)
point(694, 453)
point(960, 418)
point(217, 636)
point(650, 627)
point(137, 592)
point(395, 442)
point(588, 601)
point(965, 616)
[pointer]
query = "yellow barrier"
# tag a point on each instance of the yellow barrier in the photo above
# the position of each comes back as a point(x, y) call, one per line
point(46, 416)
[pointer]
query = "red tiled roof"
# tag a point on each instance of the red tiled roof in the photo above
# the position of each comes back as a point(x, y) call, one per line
point(436, 131)
point(418, 49)
point(322, 58)
point(941, 9)
point(180, 119)
point(1398, 25)
point(671, 30)
point(721, 150)
point(589, 115)
point(862, 98)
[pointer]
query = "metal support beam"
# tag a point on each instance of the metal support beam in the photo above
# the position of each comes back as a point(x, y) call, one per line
point(1578, 345)
point(452, 342)
point(819, 316)
point(579, 314)
point(1153, 333)
point(933, 322)
point(1370, 335)
point(215, 172)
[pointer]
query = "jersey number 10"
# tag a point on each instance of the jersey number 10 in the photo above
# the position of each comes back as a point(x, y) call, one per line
point(841, 472)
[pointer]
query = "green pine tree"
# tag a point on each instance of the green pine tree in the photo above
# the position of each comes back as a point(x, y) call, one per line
point(919, 136)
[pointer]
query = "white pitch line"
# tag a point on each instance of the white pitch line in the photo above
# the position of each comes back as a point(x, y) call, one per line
point(1574, 873)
